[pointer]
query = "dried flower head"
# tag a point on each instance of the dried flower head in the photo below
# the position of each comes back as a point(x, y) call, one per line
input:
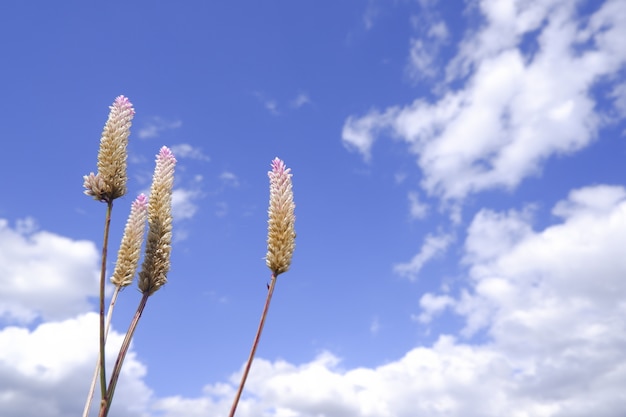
point(130, 248)
point(110, 181)
point(156, 262)
point(281, 234)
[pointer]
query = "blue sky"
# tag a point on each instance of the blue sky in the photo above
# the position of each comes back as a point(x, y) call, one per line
point(459, 189)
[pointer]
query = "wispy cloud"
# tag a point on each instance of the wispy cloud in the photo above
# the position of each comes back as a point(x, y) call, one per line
point(230, 179)
point(275, 108)
point(431, 33)
point(268, 103)
point(417, 209)
point(375, 326)
point(155, 126)
point(185, 150)
point(372, 10)
point(300, 100)
point(221, 208)
point(433, 245)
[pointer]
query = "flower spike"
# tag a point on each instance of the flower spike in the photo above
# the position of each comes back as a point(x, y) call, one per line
point(110, 181)
point(281, 233)
point(129, 252)
point(156, 262)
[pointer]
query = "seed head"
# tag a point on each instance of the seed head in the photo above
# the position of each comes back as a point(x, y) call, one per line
point(281, 234)
point(156, 262)
point(130, 248)
point(110, 181)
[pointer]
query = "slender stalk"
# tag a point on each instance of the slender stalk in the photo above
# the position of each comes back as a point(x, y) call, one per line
point(255, 344)
point(104, 409)
point(96, 371)
point(105, 244)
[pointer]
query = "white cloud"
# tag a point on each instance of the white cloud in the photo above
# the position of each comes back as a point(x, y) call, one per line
point(43, 274)
point(300, 100)
point(358, 133)
point(432, 305)
point(229, 178)
point(424, 50)
point(185, 150)
point(417, 209)
point(221, 208)
point(551, 304)
point(155, 126)
point(375, 326)
point(433, 245)
point(46, 371)
point(564, 277)
point(183, 203)
point(272, 107)
point(516, 108)
point(371, 13)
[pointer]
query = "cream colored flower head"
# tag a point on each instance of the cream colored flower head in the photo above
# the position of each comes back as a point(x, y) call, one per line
point(130, 248)
point(281, 234)
point(110, 181)
point(156, 262)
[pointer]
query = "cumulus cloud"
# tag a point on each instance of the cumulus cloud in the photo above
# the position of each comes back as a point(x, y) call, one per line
point(46, 371)
point(48, 336)
point(44, 275)
point(517, 105)
point(527, 284)
point(551, 304)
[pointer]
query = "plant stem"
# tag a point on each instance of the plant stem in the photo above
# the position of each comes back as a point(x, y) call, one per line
point(96, 371)
point(105, 244)
point(270, 291)
point(104, 410)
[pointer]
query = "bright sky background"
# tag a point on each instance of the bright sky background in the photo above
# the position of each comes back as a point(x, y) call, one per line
point(458, 171)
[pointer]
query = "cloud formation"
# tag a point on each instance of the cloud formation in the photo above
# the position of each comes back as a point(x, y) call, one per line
point(549, 302)
point(44, 275)
point(520, 101)
point(155, 126)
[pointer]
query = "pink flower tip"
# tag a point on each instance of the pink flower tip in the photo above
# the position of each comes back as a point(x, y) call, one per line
point(278, 166)
point(141, 200)
point(165, 153)
point(124, 103)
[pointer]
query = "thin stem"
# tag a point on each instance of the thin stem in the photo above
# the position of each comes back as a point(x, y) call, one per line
point(105, 244)
point(104, 410)
point(270, 291)
point(96, 371)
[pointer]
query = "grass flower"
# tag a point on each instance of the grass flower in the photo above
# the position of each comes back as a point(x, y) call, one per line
point(281, 238)
point(281, 233)
point(130, 248)
point(110, 181)
point(125, 269)
point(156, 263)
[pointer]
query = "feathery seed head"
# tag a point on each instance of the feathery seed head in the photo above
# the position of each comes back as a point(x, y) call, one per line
point(112, 155)
point(129, 252)
point(281, 233)
point(156, 262)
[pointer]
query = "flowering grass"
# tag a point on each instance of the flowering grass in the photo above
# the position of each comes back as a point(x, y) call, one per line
point(109, 184)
